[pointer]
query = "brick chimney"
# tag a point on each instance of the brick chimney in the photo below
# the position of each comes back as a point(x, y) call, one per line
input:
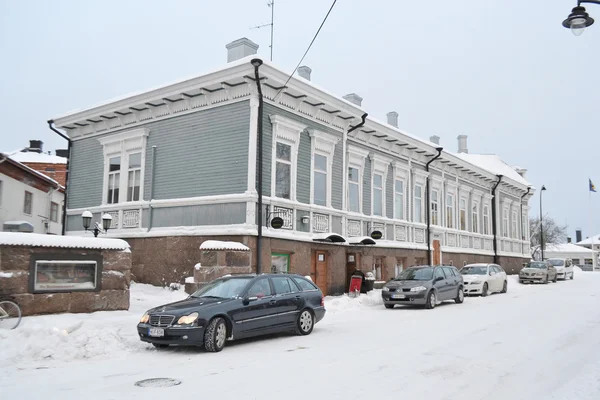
point(240, 48)
point(304, 72)
point(353, 98)
point(462, 144)
point(62, 153)
point(392, 118)
point(434, 139)
point(35, 146)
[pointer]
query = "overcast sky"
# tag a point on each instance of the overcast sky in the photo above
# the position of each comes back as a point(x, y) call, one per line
point(505, 73)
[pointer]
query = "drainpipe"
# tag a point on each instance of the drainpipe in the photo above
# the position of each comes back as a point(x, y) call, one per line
point(427, 191)
point(151, 210)
point(256, 63)
point(522, 197)
point(494, 222)
point(64, 207)
point(363, 117)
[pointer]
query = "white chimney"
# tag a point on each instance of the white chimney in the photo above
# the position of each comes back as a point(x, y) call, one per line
point(304, 72)
point(462, 144)
point(392, 118)
point(240, 48)
point(353, 98)
point(521, 171)
point(434, 139)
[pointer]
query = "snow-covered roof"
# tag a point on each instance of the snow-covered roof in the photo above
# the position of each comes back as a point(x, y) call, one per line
point(494, 164)
point(361, 240)
point(219, 245)
point(34, 157)
point(588, 241)
point(333, 237)
point(73, 242)
point(567, 248)
point(30, 170)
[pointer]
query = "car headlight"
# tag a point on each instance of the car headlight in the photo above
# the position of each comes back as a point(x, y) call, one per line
point(188, 319)
point(386, 289)
point(144, 318)
point(475, 282)
point(540, 274)
point(418, 289)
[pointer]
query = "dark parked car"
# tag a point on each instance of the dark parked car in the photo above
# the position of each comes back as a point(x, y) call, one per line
point(235, 307)
point(425, 286)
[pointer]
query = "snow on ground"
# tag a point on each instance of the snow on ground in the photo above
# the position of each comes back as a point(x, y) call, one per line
point(535, 342)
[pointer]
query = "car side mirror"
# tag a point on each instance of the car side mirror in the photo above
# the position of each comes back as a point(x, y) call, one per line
point(439, 278)
point(247, 300)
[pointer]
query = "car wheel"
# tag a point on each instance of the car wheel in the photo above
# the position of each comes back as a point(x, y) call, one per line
point(505, 287)
point(431, 300)
point(521, 281)
point(460, 297)
point(546, 281)
point(484, 291)
point(215, 335)
point(556, 278)
point(389, 306)
point(305, 323)
point(160, 345)
point(572, 274)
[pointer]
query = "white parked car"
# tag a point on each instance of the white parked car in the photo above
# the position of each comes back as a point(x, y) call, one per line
point(484, 279)
point(564, 267)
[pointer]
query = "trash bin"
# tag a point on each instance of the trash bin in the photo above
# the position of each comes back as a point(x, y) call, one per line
point(368, 282)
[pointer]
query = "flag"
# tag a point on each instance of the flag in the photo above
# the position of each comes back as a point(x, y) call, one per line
point(592, 187)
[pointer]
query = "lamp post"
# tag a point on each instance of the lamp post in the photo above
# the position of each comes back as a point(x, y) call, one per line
point(579, 19)
point(87, 221)
point(542, 222)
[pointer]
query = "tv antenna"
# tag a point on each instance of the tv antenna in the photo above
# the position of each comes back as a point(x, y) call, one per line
point(271, 4)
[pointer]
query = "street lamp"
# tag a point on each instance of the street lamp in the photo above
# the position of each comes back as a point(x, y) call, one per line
point(579, 19)
point(87, 221)
point(542, 222)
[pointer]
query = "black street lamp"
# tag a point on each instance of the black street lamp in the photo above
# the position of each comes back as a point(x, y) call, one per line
point(579, 19)
point(542, 222)
point(87, 221)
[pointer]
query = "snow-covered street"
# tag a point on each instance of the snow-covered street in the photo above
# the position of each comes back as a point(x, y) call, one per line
point(535, 342)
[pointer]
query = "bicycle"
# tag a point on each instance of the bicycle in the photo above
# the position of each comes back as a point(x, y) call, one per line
point(10, 314)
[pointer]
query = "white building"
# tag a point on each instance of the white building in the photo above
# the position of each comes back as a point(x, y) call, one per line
point(29, 196)
point(578, 254)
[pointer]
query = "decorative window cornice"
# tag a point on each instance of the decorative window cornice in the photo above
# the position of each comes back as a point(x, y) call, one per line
point(285, 128)
point(357, 156)
point(380, 163)
point(128, 140)
point(323, 141)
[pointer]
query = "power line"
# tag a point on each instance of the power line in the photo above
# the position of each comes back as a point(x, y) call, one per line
point(309, 46)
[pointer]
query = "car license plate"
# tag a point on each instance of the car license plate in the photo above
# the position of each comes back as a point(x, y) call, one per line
point(156, 332)
point(398, 296)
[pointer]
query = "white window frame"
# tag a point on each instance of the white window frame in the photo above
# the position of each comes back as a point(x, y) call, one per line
point(475, 222)
point(505, 224)
point(401, 173)
point(419, 179)
point(356, 159)
point(134, 170)
point(286, 131)
point(53, 203)
point(486, 219)
point(435, 212)
point(122, 145)
point(382, 197)
point(524, 223)
point(514, 223)
point(451, 195)
point(322, 143)
point(380, 166)
point(460, 209)
point(30, 213)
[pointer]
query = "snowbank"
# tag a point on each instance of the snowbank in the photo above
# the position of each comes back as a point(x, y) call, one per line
point(334, 304)
point(219, 245)
point(75, 242)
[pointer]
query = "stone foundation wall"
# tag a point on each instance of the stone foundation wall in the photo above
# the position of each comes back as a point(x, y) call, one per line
point(114, 284)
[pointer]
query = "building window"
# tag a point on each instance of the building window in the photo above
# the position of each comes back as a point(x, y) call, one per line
point(353, 190)
point(418, 217)
point(134, 176)
point(320, 180)
point(378, 268)
point(486, 220)
point(450, 211)
point(524, 226)
point(475, 217)
point(505, 223)
point(124, 166)
point(283, 170)
point(463, 214)
point(513, 221)
point(435, 209)
point(399, 267)
point(377, 194)
point(575, 261)
point(27, 203)
point(399, 199)
point(280, 262)
point(589, 261)
point(53, 212)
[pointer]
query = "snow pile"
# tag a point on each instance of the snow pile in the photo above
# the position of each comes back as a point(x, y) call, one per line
point(219, 245)
point(189, 279)
point(75, 242)
point(34, 157)
point(334, 304)
point(65, 337)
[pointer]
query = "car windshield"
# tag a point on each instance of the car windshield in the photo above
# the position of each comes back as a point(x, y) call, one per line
point(538, 265)
point(557, 263)
point(223, 288)
point(415, 274)
point(474, 270)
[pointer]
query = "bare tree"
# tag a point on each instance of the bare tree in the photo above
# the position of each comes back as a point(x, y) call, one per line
point(553, 234)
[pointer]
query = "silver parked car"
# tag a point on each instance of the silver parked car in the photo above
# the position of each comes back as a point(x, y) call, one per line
point(538, 271)
point(424, 286)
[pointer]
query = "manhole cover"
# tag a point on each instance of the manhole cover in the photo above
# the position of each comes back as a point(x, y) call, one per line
point(158, 382)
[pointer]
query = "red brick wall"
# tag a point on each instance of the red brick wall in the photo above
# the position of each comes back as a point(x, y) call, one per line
point(22, 175)
point(59, 174)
